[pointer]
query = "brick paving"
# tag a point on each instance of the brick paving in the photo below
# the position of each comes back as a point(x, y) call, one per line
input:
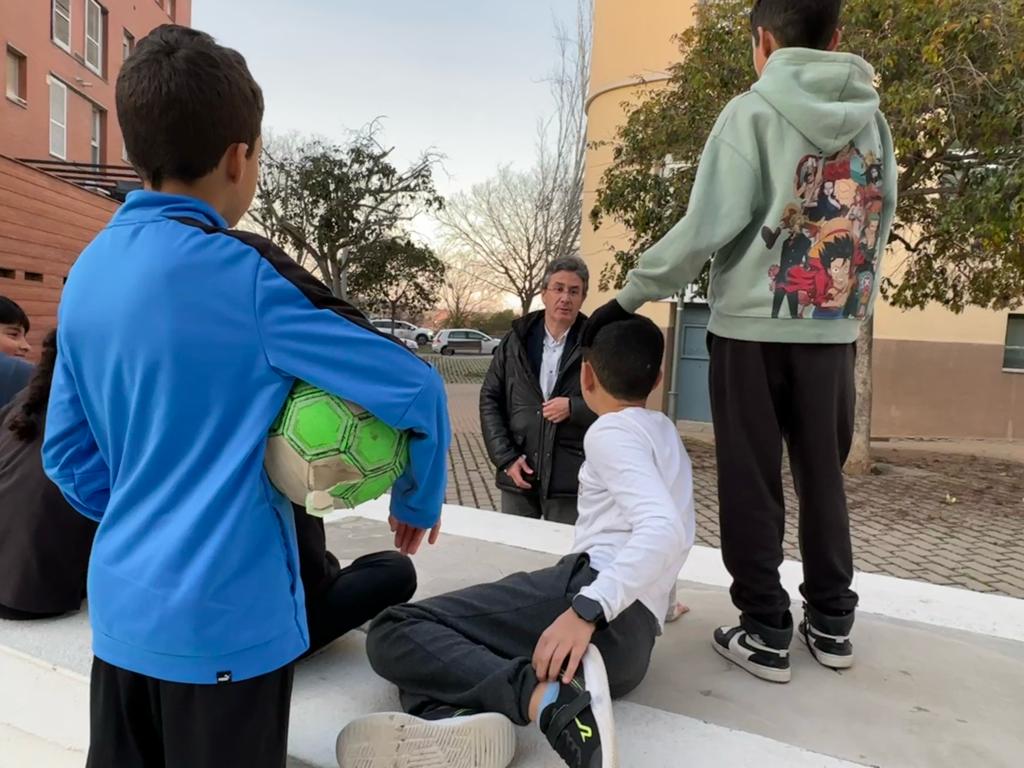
point(945, 519)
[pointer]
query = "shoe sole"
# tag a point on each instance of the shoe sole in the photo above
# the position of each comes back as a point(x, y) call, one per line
point(595, 675)
point(829, 660)
point(763, 673)
point(394, 740)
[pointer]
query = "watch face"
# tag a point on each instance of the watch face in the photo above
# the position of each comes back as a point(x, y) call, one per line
point(587, 609)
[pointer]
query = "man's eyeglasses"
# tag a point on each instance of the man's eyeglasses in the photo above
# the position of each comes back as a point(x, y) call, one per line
point(561, 290)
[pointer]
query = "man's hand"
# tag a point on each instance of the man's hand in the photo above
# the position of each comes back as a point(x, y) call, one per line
point(612, 312)
point(516, 470)
point(557, 410)
point(408, 538)
point(562, 647)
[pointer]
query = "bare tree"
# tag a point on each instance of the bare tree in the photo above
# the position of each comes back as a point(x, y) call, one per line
point(463, 295)
point(514, 224)
point(562, 148)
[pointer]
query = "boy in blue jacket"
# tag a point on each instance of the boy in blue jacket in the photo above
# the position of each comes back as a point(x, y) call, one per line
point(179, 341)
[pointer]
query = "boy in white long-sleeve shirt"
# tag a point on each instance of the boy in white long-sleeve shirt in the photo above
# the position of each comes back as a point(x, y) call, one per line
point(553, 646)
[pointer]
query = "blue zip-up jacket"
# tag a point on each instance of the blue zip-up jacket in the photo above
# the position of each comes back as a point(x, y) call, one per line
point(179, 342)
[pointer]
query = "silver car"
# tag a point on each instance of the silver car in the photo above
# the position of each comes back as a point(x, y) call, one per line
point(465, 340)
point(404, 330)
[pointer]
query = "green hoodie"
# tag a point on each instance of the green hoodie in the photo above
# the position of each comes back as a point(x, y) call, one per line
point(794, 198)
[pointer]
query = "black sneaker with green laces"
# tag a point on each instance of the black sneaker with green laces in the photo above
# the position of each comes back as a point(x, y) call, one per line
point(579, 724)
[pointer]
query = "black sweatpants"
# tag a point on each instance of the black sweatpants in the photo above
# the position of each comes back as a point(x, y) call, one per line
point(356, 594)
point(761, 395)
point(141, 722)
point(473, 648)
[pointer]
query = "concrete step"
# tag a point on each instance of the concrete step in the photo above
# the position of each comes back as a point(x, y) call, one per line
point(941, 691)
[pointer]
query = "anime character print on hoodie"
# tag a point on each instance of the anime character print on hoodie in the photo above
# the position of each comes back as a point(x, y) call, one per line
point(794, 197)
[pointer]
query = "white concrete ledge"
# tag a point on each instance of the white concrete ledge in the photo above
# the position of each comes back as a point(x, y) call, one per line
point(946, 607)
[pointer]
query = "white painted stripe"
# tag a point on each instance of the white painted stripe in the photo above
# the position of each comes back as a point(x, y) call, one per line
point(947, 607)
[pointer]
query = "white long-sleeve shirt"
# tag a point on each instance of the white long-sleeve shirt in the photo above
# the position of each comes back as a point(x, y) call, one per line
point(636, 514)
point(551, 361)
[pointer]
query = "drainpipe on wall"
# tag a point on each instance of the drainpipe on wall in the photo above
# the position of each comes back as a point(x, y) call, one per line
point(677, 338)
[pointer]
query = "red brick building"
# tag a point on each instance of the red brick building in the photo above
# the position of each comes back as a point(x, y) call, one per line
point(60, 63)
point(61, 59)
point(45, 223)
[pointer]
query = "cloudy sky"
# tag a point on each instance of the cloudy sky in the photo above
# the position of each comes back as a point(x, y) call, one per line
point(462, 76)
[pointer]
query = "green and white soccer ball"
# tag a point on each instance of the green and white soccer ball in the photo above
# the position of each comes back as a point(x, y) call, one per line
point(324, 452)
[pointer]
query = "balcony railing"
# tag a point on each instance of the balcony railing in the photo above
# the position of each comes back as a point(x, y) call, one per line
point(114, 181)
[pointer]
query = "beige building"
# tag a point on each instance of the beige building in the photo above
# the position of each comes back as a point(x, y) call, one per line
point(936, 374)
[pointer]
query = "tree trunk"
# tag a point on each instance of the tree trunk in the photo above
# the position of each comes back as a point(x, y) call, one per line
point(525, 302)
point(860, 462)
point(339, 280)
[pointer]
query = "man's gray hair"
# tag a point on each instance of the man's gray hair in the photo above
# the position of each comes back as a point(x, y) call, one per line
point(572, 264)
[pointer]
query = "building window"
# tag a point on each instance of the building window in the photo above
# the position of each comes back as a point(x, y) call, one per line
point(62, 24)
point(58, 119)
point(34, 277)
point(95, 20)
point(1013, 357)
point(96, 137)
point(17, 68)
point(127, 45)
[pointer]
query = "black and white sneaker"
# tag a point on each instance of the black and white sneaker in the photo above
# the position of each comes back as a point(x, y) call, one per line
point(579, 724)
point(761, 650)
point(444, 738)
point(828, 637)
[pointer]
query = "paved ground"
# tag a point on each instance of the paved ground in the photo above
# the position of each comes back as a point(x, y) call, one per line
point(942, 518)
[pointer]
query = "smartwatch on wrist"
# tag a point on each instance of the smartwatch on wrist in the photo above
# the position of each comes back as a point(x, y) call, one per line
point(589, 610)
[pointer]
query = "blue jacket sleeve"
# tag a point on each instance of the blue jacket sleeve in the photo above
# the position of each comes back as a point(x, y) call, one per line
point(310, 335)
point(71, 457)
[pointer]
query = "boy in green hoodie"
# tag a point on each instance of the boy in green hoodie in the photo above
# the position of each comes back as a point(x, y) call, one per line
point(794, 198)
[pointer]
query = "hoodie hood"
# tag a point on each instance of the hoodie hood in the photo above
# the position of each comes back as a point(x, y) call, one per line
point(828, 97)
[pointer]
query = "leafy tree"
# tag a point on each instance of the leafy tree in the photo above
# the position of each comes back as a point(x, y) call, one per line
point(396, 276)
point(951, 77)
point(326, 202)
point(496, 323)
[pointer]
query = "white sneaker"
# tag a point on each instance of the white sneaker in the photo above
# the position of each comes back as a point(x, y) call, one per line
point(396, 740)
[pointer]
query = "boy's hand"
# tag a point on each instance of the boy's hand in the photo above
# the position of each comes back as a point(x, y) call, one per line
point(562, 647)
point(408, 538)
point(557, 410)
point(612, 312)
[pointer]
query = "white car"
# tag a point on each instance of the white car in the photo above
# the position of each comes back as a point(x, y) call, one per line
point(404, 330)
point(410, 344)
point(452, 340)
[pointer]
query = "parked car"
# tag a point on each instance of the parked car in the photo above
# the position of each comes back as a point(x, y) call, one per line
point(404, 330)
point(452, 340)
point(410, 344)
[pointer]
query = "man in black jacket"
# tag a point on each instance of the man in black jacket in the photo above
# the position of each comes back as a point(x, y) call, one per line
point(531, 407)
